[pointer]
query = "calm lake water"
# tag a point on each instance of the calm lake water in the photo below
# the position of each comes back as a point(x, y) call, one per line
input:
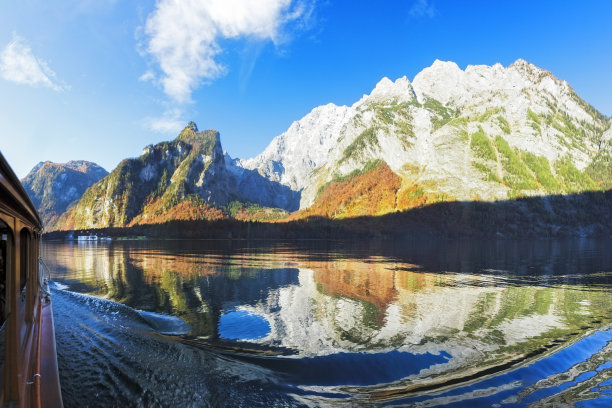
point(417, 323)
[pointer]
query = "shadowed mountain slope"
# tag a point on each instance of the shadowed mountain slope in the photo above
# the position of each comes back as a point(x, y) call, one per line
point(53, 187)
point(482, 134)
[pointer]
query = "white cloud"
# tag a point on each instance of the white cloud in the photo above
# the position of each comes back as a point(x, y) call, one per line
point(169, 123)
point(183, 36)
point(422, 8)
point(19, 65)
point(147, 76)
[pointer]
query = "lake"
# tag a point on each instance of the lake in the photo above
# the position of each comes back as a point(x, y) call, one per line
point(422, 322)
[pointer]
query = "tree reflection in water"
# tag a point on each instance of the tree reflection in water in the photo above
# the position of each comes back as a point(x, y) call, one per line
point(488, 306)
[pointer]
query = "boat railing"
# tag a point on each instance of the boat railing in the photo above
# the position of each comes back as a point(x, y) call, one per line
point(44, 276)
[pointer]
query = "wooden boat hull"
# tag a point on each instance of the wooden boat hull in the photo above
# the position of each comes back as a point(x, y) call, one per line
point(29, 375)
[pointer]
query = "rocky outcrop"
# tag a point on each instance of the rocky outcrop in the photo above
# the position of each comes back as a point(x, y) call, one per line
point(53, 187)
point(486, 132)
point(190, 169)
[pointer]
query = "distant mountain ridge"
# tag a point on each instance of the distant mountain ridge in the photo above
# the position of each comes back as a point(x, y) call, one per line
point(186, 178)
point(484, 133)
point(53, 187)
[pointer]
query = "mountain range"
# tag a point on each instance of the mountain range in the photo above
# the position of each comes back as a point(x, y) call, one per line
point(486, 133)
point(53, 187)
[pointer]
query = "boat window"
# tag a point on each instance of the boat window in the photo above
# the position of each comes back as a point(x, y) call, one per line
point(5, 264)
point(24, 240)
point(5, 253)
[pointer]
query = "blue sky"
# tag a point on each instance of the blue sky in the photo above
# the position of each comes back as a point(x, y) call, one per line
point(100, 79)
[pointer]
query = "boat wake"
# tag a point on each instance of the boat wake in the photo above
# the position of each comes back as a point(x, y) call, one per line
point(112, 311)
point(110, 355)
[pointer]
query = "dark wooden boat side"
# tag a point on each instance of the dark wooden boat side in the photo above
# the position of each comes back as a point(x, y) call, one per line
point(29, 375)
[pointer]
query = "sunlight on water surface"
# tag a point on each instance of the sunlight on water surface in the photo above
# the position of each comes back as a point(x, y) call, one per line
point(407, 323)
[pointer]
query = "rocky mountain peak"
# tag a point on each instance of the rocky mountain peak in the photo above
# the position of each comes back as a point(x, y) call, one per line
point(87, 167)
point(386, 90)
point(293, 155)
point(439, 81)
point(192, 136)
point(192, 126)
point(527, 68)
point(80, 166)
point(53, 187)
point(36, 168)
point(529, 124)
point(483, 133)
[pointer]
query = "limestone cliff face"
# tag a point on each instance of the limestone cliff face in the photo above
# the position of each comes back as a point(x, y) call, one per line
point(190, 169)
point(486, 132)
point(53, 187)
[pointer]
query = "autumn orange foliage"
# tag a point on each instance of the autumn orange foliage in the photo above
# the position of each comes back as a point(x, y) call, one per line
point(260, 214)
point(376, 192)
point(414, 196)
point(183, 211)
point(372, 193)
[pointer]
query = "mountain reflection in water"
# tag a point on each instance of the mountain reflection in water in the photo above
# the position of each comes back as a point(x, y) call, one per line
point(420, 323)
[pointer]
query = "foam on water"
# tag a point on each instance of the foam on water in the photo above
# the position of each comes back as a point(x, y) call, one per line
point(111, 355)
point(161, 323)
point(59, 286)
point(165, 324)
